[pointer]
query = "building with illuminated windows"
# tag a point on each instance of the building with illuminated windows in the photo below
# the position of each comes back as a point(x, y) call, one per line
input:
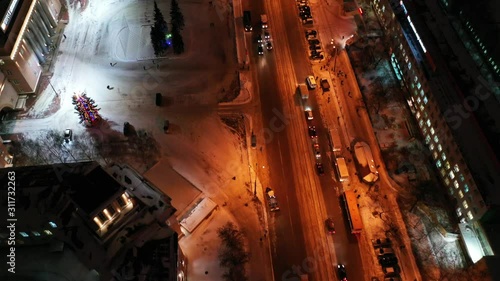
point(27, 34)
point(81, 216)
point(456, 105)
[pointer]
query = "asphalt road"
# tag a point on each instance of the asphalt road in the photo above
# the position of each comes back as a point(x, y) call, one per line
point(300, 243)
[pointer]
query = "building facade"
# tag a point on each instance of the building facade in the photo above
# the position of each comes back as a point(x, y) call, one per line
point(27, 35)
point(83, 209)
point(446, 112)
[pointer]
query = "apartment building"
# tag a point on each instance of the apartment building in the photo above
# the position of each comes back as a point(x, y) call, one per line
point(447, 114)
point(82, 216)
point(27, 34)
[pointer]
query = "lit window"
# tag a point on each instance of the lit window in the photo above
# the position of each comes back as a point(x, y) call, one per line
point(461, 177)
point(409, 65)
point(447, 165)
point(419, 100)
point(417, 115)
point(102, 217)
point(421, 123)
point(424, 130)
point(432, 131)
point(438, 164)
point(452, 175)
point(36, 233)
point(52, 224)
point(426, 100)
point(431, 146)
point(422, 92)
point(455, 183)
point(459, 212)
point(428, 122)
point(443, 172)
point(436, 139)
point(455, 168)
point(443, 157)
point(466, 188)
point(47, 232)
point(451, 191)
point(422, 108)
point(440, 148)
point(24, 234)
point(435, 155)
point(469, 215)
point(465, 204)
point(461, 194)
point(427, 139)
point(447, 181)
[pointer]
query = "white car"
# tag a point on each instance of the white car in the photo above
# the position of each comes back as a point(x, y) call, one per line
point(309, 114)
point(68, 135)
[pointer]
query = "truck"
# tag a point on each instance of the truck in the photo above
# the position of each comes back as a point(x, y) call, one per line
point(303, 91)
point(364, 160)
point(263, 21)
point(342, 170)
point(334, 140)
point(325, 85)
point(247, 21)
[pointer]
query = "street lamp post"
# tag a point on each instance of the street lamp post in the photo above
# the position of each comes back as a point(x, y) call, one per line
point(255, 180)
point(335, 58)
point(57, 95)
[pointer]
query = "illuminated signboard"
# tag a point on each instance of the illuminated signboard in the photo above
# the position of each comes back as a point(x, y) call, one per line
point(9, 14)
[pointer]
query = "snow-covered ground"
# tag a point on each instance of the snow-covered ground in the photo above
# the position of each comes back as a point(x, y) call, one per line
point(199, 146)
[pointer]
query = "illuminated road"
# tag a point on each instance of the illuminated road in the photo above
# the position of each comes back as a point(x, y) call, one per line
point(299, 240)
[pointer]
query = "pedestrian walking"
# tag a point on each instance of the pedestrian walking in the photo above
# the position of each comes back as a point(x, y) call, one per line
point(64, 35)
point(328, 99)
point(111, 63)
point(157, 66)
point(342, 82)
point(144, 67)
point(316, 77)
point(107, 87)
point(358, 196)
point(349, 94)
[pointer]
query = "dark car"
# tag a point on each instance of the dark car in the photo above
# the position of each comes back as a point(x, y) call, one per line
point(313, 42)
point(317, 57)
point(330, 226)
point(158, 100)
point(388, 260)
point(304, 8)
point(305, 15)
point(341, 272)
point(312, 132)
point(260, 50)
point(267, 36)
point(311, 33)
point(269, 46)
point(320, 169)
point(314, 47)
point(68, 135)
point(259, 39)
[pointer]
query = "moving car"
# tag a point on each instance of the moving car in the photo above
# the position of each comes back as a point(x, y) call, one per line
point(272, 201)
point(269, 46)
point(388, 260)
point(314, 47)
point(309, 114)
point(312, 132)
point(320, 169)
point(341, 272)
point(330, 226)
point(267, 36)
point(317, 151)
point(263, 21)
point(259, 39)
point(260, 50)
point(68, 135)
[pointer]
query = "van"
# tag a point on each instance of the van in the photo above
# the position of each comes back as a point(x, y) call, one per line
point(303, 91)
point(311, 82)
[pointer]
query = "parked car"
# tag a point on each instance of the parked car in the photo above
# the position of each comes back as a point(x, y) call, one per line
point(158, 100)
point(330, 226)
point(324, 84)
point(341, 272)
point(68, 135)
point(272, 201)
point(320, 169)
point(311, 34)
point(313, 42)
point(388, 260)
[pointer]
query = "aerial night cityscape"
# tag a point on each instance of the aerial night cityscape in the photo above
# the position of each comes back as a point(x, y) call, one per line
point(236, 140)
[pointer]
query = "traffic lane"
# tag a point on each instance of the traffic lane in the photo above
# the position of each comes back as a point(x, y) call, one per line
point(296, 40)
point(346, 245)
point(285, 225)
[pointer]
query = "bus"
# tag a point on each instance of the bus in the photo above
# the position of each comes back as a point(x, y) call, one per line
point(352, 210)
point(342, 170)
